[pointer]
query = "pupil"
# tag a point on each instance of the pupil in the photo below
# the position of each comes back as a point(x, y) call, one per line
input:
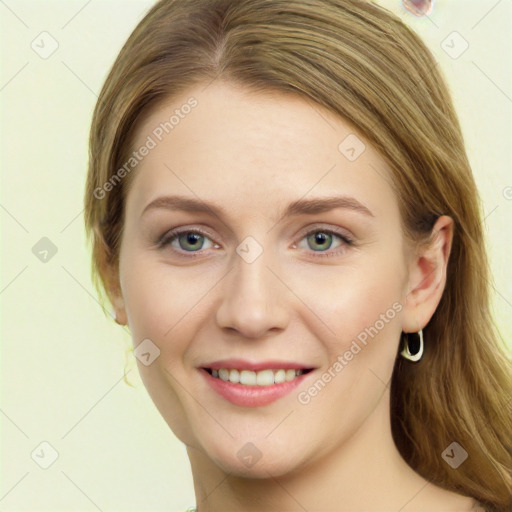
point(192, 239)
point(321, 238)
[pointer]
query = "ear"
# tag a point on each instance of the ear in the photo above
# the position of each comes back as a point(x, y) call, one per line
point(108, 270)
point(119, 309)
point(427, 276)
point(110, 275)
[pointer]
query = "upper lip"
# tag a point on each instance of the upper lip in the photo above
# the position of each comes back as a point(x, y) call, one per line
point(242, 364)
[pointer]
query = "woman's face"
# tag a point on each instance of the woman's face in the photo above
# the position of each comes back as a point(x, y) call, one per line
point(306, 286)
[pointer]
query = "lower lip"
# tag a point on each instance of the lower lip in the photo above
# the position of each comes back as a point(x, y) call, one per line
point(251, 396)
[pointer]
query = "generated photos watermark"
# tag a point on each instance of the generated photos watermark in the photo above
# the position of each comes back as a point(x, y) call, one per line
point(151, 142)
point(304, 397)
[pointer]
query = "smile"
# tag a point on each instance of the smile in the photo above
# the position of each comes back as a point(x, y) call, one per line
point(247, 388)
point(261, 378)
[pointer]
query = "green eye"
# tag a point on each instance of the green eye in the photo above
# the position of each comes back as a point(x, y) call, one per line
point(191, 241)
point(321, 238)
point(186, 241)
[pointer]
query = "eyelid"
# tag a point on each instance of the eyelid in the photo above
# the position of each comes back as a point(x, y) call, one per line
point(173, 233)
point(343, 233)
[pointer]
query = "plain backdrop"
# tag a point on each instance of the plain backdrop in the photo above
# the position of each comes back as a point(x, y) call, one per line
point(62, 359)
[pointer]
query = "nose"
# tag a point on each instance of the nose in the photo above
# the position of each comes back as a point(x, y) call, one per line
point(253, 299)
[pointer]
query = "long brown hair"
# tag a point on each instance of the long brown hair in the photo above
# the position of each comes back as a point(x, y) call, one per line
point(362, 63)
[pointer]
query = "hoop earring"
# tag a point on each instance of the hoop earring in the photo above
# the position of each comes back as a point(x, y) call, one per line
point(416, 353)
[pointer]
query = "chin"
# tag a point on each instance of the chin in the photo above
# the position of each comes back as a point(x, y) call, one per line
point(258, 459)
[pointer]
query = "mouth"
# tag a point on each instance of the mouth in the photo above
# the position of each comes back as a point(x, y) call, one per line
point(267, 377)
point(253, 388)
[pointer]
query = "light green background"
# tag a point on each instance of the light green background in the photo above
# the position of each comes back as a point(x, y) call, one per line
point(62, 360)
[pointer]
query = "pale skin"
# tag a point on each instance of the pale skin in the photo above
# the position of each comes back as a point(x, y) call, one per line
point(252, 155)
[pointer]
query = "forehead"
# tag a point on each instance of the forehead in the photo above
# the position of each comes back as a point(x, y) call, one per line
point(253, 150)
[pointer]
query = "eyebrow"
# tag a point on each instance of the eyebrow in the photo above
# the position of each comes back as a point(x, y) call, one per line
point(299, 207)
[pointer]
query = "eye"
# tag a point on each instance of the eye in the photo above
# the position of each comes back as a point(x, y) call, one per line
point(185, 240)
point(321, 240)
point(193, 240)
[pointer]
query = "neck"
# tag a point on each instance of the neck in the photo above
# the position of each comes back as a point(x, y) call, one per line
point(365, 472)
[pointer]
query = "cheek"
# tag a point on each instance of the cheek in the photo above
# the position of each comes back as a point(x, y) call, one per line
point(166, 304)
point(158, 308)
point(358, 303)
point(154, 302)
point(355, 313)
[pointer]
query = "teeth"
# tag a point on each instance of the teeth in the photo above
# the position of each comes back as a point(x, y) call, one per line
point(264, 378)
point(279, 376)
point(246, 377)
point(234, 376)
point(289, 375)
point(261, 378)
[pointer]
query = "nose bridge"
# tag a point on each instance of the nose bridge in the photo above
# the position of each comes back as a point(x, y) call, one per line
point(252, 301)
point(251, 276)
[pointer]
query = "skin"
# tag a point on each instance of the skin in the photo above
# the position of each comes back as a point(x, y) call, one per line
point(253, 154)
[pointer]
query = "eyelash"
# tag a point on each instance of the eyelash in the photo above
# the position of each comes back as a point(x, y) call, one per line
point(172, 235)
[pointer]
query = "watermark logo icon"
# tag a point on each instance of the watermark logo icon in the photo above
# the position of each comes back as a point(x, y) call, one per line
point(45, 45)
point(44, 455)
point(351, 147)
point(454, 455)
point(44, 250)
point(249, 250)
point(146, 352)
point(249, 454)
point(454, 45)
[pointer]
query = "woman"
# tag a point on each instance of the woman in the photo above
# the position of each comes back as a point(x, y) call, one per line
point(282, 211)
